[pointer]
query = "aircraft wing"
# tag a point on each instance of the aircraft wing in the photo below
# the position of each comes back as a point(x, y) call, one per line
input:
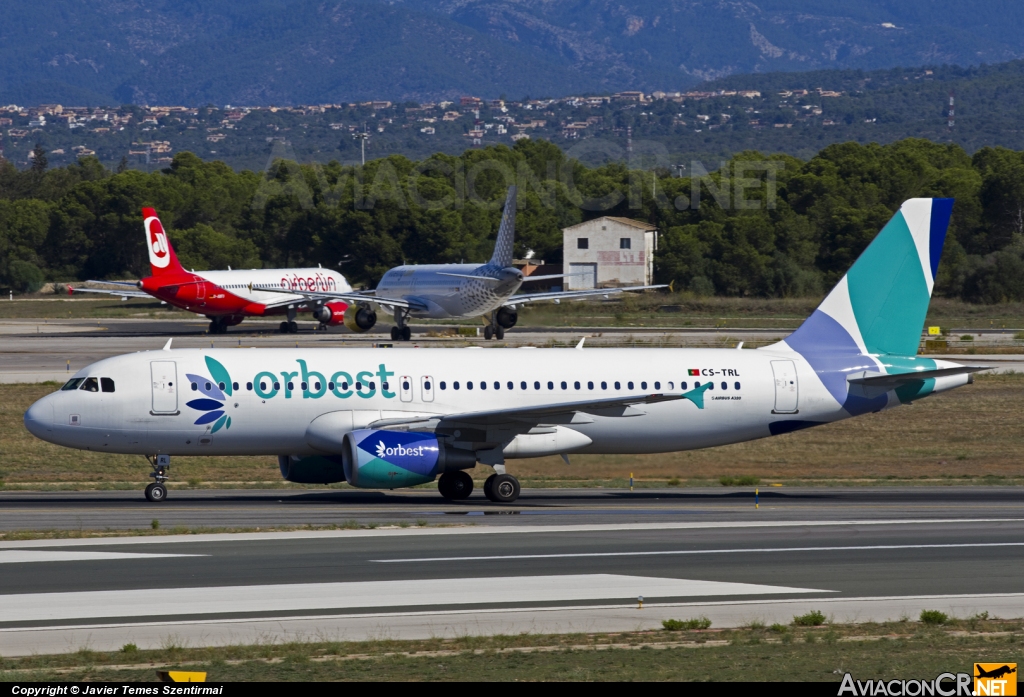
point(118, 293)
point(527, 417)
point(869, 378)
point(523, 298)
point(351, 297)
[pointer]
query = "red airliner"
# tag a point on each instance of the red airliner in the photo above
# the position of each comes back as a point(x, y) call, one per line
point(228, 297)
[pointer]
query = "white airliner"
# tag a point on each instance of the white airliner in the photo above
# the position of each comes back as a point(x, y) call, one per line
point(385, 419)
point(448, 291)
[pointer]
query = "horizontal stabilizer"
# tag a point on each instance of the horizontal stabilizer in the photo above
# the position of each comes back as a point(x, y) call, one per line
point(470, 277)
point(869, 378)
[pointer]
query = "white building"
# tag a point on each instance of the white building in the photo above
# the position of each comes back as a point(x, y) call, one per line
point(609, 251)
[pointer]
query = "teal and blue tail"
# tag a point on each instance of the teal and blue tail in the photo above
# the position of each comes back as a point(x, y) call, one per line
point(877, 311)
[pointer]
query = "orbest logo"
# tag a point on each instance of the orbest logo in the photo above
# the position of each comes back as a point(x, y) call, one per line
point(399, 450)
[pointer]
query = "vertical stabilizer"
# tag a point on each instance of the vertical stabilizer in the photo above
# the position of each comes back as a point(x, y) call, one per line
point(162, 259)
point(506, 232)
point(879, 306)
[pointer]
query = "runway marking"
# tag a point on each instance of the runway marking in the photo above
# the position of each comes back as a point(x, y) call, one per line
point(483, 530)
point(669, 552)
point(27, 607)
point(277, 621)
point(28, 556)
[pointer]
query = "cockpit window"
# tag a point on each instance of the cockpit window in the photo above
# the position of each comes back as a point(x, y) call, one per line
point(72, 384)
point(90, 385)
point(107, 384)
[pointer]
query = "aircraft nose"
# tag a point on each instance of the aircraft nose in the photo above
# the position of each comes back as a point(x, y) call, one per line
point(39, 418)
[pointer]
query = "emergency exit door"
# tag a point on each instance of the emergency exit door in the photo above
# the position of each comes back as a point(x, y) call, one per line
point(787, 390)
point(165, 386)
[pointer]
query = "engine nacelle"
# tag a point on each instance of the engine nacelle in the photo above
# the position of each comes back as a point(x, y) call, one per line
point(393, 459)
point(360, 319)
point(507, 318)
point(312, 469)
point(331, 314)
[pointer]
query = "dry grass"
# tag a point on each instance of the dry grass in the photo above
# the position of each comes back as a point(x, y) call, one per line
point(974, 433)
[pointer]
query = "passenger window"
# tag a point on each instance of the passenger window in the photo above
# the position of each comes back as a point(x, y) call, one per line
point(330, 386)
point(536, 385)
point(711, 386)
point(316, 386)
point(263, 387)
point(695, 385)
point(373, 386)
point(405, 385)
point(551, 385)
point(444, 385)
point(359, 386)
point(248, 386)
point(234, 386)
point(210, 387)
point(657, 385)
point(469, 384)
point(195, 387)
point(522, 385)
point(671, 385)
point(737, 386)
point(497, 385)
point(511, 385)
point(629, 385)
point(291, 385)
point(107, 384)
point(483, 385)
point(221, 385)
point(426, 386)
point(725, 385)
point(344, 386)
point(604, 385)
point(617, 386)
point(72, 384)
point(90, 385)
point(682, 386)
point(576, 384)
point(301, 384)
point(455, 385)
point(565, 385)
point(383, 385)
point(590, 385)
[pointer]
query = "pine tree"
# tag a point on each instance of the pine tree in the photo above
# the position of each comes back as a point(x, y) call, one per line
point(39, 161)
point(122, 165)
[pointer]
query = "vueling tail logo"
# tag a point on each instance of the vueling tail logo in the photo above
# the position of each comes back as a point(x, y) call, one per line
point(213, 390)
point(399, 450)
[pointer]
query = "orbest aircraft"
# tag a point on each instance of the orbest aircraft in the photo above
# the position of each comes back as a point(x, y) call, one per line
point(448, 291)
point(228, 297)
point(386, 419)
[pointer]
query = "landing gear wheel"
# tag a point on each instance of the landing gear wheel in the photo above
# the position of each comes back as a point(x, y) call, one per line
point(406, 336)
point(283, 328)
point(455, 486)
point(156, 492)
point(499, 333)
point(293, 327)
point(488, 332)
point(504, 488)
point(396, 334)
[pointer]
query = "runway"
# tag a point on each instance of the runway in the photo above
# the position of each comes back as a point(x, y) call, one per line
point(251, 508)
point(52, 350)
point(558, 561)
point(62, 595)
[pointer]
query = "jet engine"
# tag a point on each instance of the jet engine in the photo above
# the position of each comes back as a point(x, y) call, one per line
point(375, 459)
point(331, 314)
point(507, 318)
point(360, 319)
point(314, 469)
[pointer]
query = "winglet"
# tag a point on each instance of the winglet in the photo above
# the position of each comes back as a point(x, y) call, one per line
point(696, 395)
point(167, 346)
point(580, 345)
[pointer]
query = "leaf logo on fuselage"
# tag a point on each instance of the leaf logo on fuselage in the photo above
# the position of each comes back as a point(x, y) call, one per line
point(213, 390)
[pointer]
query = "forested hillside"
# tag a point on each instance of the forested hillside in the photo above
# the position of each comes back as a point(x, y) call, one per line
point(261, 52)
point(83, 221)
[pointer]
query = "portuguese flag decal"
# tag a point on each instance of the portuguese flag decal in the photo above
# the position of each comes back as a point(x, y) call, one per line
point(694, 371)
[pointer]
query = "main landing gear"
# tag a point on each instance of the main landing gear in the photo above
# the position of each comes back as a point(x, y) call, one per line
point(501, 319)
point(401, 332)
point(157, 492)
point(499, 488)
point(291, 327)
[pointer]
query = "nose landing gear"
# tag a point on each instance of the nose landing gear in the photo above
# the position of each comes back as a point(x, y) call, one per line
point(157, 492)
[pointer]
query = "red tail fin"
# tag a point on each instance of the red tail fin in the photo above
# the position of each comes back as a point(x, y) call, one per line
point(162, 258)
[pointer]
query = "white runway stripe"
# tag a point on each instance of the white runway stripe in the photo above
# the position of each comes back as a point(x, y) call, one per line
point(669, 552)
point(29, 607)
point(22, 556)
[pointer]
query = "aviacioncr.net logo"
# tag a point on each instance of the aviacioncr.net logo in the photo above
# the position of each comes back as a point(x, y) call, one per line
point(384, 452)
